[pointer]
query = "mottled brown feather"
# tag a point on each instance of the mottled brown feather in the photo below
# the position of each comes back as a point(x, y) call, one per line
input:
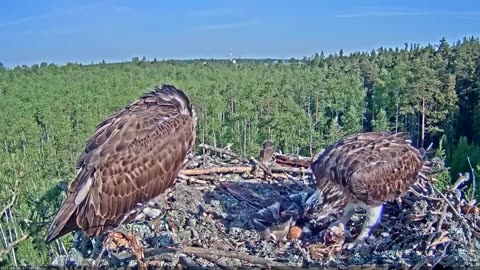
point(133, 156)
point(372, 167)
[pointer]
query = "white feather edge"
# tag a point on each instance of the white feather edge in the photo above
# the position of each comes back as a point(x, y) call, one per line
point(82, 193)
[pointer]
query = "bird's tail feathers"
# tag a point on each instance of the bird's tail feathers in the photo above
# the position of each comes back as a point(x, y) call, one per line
point(64, 222)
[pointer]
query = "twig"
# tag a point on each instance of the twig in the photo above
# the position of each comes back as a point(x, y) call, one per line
point(280, 175)
point(442, 218)
point(460, 180)
point(12, 245)
point(214, 260)
point(208, 177)
point(444, 253)
point(423, 196)
point(454, 210)
point(236, 255)
point(223, 151)
point(293, 161)
point(291, 170)
point(182, 176)
point(236, 169)
point(473, 178)
point(212, 252)
point(189, 263)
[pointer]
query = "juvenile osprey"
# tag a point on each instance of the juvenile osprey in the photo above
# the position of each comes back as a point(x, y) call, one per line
point(364, 170)
point(132, 157)
point(267, 151)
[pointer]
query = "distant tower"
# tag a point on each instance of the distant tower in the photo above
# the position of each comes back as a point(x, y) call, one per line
point(231, 57)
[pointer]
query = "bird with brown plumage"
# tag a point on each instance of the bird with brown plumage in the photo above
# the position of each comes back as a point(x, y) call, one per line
point(132, 157)
point(266, 153)
point(366, 170)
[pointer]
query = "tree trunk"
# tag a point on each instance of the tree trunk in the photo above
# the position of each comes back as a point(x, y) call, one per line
point(214, 137)
point(310, 139)
point(245, 137)
point(203, 135)
point(422, 135)
point(396, 118)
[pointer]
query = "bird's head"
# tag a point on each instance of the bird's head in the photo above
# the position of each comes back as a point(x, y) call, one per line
point(316, 207)
point(323, 203)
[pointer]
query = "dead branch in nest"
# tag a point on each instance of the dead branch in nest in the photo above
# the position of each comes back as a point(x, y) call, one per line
point(235, 255)
point(280, 175)
point(207, 252)
point(214, 260)
point(290, 170)
point(292, 161)
point(12, 245)
point(442, 217)
point(239, 169)
point(223, 151)
point(235, 169)
point(462, 219)
point(423, 196)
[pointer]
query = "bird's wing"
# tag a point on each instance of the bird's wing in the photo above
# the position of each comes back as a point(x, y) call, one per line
point(385, 177)
point(132, 157)
point(374, 167)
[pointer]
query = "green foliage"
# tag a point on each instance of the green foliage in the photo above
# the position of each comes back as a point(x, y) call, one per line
point(381, 122)
point(459, 163)
point(443, 176)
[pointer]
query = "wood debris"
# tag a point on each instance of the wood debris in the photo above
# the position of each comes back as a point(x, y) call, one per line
point(227, 211)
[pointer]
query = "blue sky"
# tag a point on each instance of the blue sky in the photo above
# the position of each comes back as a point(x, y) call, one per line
point(60, 31)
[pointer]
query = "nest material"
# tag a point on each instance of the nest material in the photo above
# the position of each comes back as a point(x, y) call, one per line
point(244, 219)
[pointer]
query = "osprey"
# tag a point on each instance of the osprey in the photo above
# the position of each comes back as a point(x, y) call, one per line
point(267, 152)
point(132, 157)
point(366, 170)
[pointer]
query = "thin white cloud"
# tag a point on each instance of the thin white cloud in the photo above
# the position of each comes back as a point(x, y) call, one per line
point(223, 26)
point(72, 11)
point(213, 12)
point(399, 12)
point(23, 20)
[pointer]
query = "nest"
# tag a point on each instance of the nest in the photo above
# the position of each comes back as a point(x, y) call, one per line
point(226, 211)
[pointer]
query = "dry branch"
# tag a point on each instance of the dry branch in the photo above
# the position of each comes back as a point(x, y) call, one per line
point(290, 170)
point(236, 169)
point(460, 180)
point(473, 179)
point(12, 245)
point(292, 161)
point(236, 255)
point(240, 169)
point(462, 219)
point(210, 252)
